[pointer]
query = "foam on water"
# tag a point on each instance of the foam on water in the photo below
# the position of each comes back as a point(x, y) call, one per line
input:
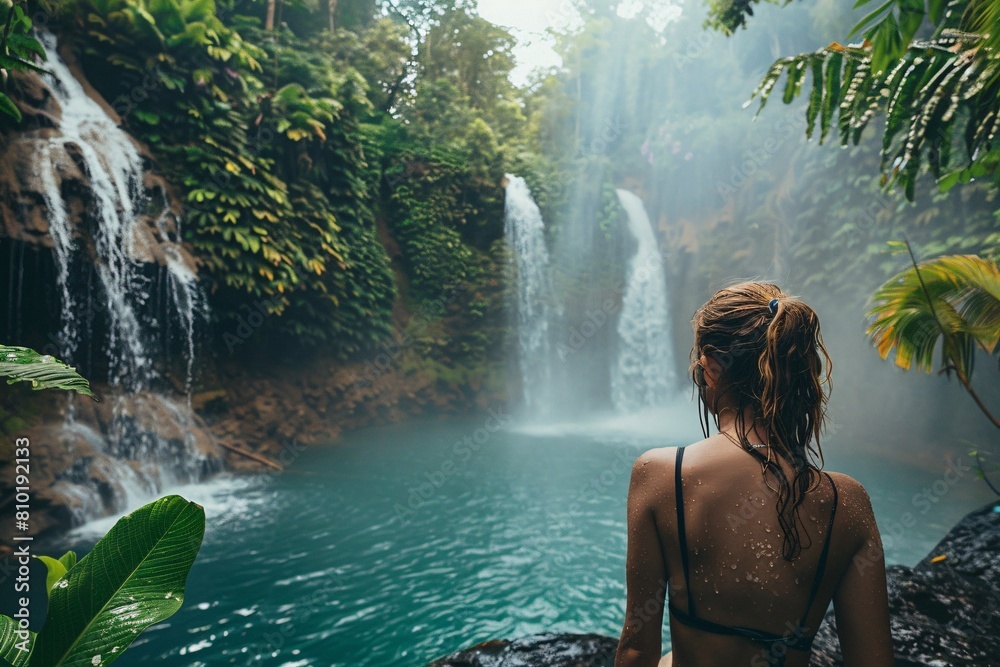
point(227, 499)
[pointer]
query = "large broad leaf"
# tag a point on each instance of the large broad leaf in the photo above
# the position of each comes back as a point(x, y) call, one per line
point(133, 578)
point(12, 644)
point(21, 364)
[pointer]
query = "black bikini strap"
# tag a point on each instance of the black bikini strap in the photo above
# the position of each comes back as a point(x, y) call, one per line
point(795, 641)
point(821, 567)
point(679, 492)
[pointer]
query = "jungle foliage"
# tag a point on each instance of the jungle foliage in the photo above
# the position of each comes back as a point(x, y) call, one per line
point(303, 152)
point(939, 93)
point(18, 50)
point(329, 174)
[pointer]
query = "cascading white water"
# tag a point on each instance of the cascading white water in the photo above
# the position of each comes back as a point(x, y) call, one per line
point(145, 427)
point(525, 232)
point(643, 370)
point(188, 300)
point(62, 240)
point(114, 168)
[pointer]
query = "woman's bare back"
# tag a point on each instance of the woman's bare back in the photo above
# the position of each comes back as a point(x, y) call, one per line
point(737, 574)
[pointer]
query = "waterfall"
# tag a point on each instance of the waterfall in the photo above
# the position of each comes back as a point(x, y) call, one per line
point(642, 373)
point(115, 170)
point(525, 232)
point(145, 441)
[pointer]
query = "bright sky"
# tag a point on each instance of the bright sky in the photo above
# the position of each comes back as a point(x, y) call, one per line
point(528, 20)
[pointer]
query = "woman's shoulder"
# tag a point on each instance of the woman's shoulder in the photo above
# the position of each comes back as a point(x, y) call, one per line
point(849, 490)
point(854, 507)
point(654, 468)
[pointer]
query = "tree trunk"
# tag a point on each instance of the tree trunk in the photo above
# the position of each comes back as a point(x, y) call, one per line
point(269, 21)
point(333, 12)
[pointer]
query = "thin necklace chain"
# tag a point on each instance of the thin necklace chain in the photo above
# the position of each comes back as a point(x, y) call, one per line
point(763, 464)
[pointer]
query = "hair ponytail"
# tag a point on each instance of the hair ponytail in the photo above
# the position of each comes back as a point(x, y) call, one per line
point(774, 361)
point(793, 404)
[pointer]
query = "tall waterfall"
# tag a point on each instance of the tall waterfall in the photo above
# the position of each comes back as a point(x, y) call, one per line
point(147, 441)
point(115, 170)
point(642, 373)
point(525, 234)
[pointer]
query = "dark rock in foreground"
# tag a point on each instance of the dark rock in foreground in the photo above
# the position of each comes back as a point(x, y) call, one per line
point(944, 614)
point(549, 650)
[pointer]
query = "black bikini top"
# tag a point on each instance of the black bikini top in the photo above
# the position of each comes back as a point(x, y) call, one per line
point(796, 640)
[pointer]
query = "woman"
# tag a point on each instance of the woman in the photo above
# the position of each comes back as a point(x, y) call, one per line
point(754, 539)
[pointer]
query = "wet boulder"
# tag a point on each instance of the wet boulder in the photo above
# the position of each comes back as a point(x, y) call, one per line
point(944, 611)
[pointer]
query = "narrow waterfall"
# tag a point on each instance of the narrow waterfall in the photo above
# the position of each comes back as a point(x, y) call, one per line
point(146, 441)
point(643, 369)
point(114, 168)
point(525, 232)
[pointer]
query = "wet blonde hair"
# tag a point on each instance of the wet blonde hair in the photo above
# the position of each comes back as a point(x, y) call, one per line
point(775, 363)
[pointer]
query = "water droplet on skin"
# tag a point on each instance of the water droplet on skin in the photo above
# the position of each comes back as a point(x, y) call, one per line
point(733, 566)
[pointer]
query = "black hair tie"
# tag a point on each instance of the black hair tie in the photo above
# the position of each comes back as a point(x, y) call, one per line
point(773, 306)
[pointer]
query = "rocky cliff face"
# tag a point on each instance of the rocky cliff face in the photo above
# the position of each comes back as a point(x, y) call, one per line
point(23, 212)
point(945, 612)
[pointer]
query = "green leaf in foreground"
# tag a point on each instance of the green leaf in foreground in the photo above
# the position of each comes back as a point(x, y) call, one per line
point(55, 571)
point(133, 578)
point(21, 364)
point(11, 643)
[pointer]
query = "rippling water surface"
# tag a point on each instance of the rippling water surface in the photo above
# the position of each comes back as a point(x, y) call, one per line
point(398, 545)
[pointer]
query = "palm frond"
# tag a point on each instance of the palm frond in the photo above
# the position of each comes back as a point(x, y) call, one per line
point(953, 299)
point(940, 97)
